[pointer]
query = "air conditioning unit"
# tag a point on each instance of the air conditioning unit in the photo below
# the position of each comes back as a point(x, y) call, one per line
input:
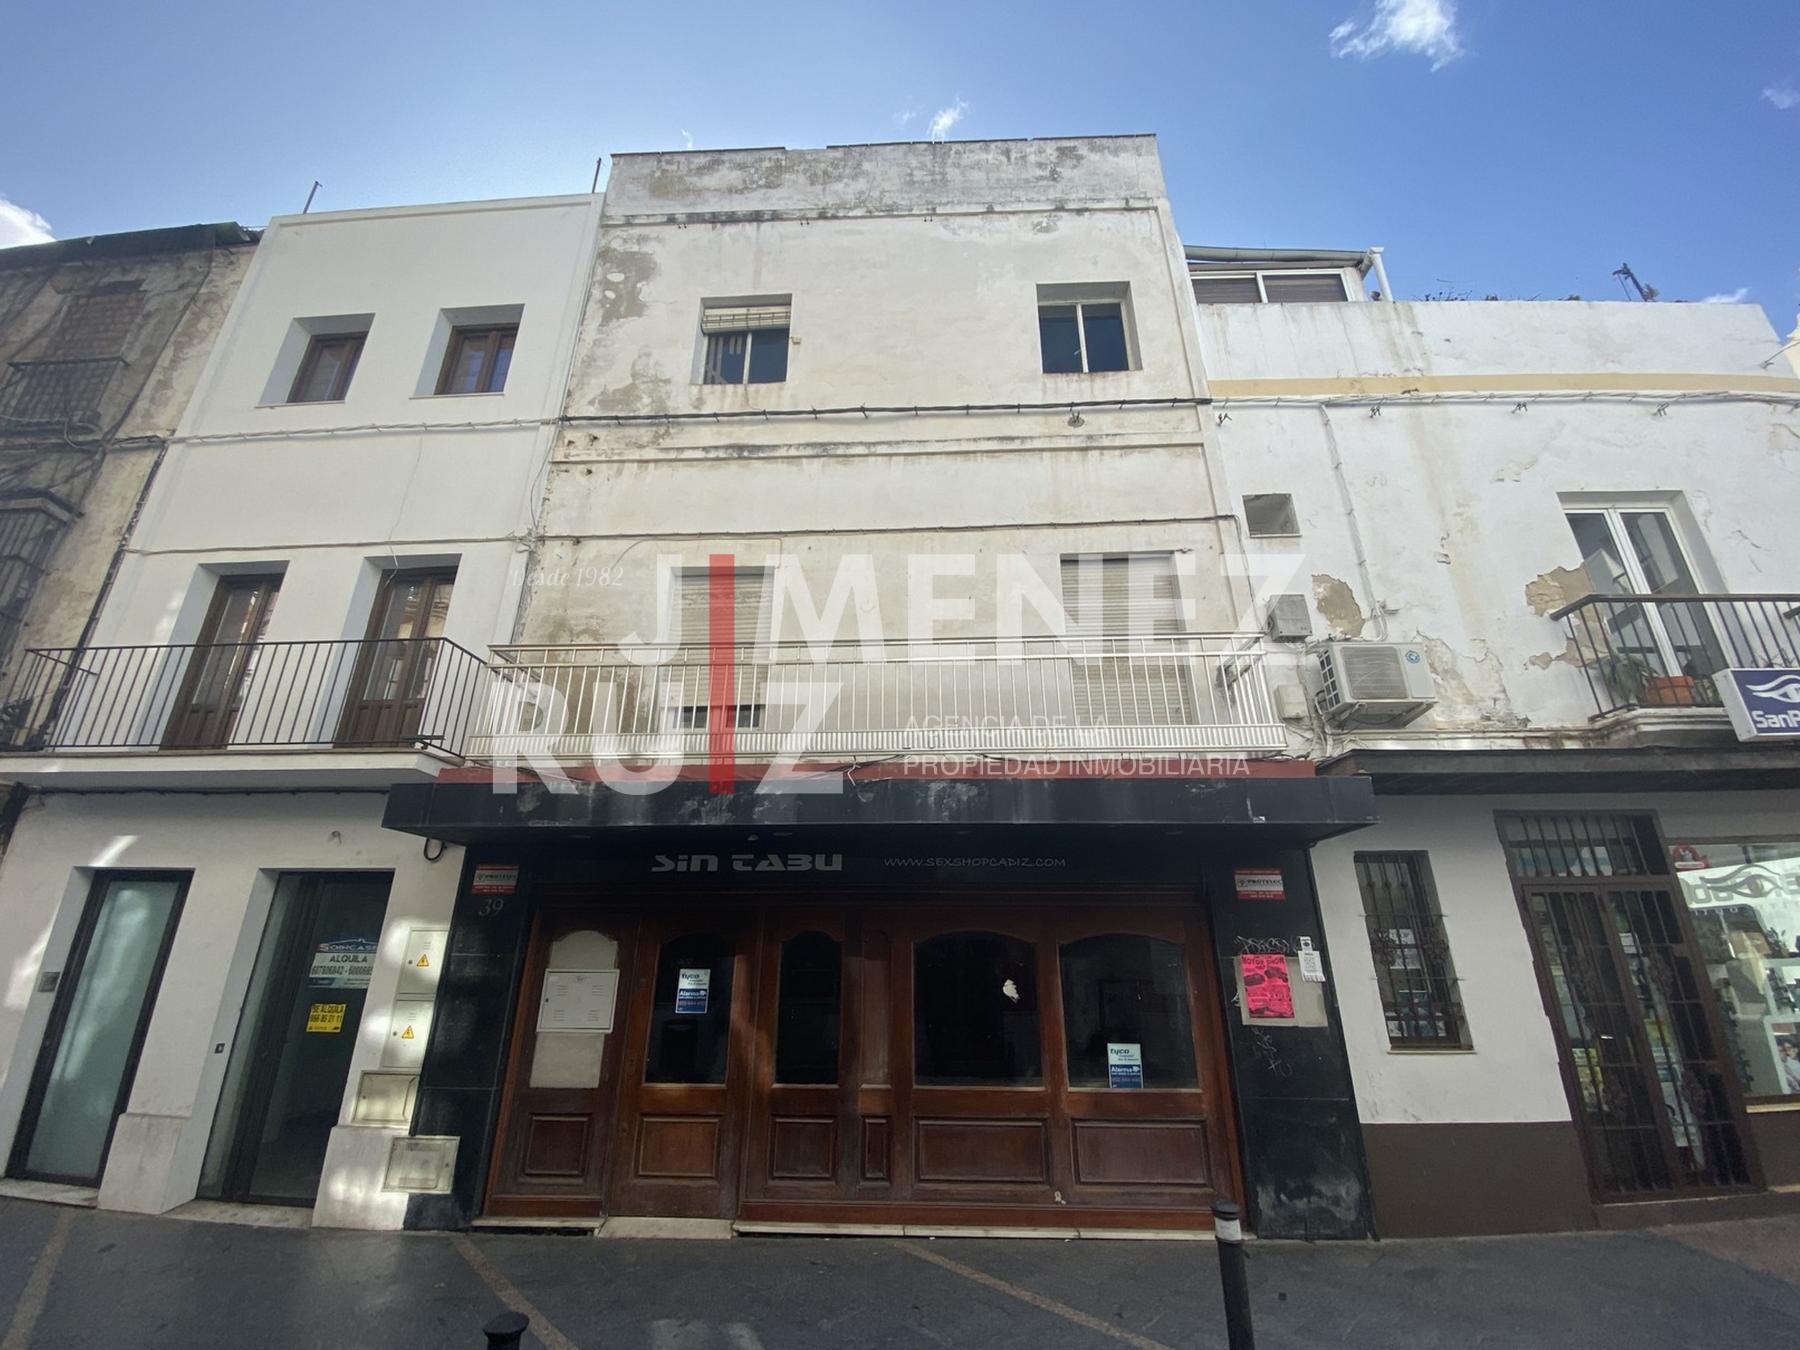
point(1373, 684)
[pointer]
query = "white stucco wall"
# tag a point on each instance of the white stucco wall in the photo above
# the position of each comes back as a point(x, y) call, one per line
point(234, 857)
point(389, 476)
point(1510, 1072)
point(1460, 502)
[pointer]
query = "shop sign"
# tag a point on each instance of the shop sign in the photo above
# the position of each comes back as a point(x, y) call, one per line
point(691, 989)
point(1259, 883)
point(326, 1016)
point(1764, 705)
point(1124, 1065)
point(1267, 993)
point(495, 879)
point(344, 964)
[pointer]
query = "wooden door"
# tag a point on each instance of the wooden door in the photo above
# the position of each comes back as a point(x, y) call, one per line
point(803, 1138)
point(221, 663)
point(686, 1076)
point(391, 680)
point(550, 1154)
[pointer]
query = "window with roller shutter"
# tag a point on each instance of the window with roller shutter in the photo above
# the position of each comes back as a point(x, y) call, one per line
point(1117, 606)
point(689, 699)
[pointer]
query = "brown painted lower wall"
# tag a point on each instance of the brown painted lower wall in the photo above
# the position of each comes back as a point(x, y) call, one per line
point(1777, 1138)
point(1452, 1180)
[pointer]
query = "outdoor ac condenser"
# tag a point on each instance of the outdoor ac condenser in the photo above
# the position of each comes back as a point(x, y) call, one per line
point(1374, 684)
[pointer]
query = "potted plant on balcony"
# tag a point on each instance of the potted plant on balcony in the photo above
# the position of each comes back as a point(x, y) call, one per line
point(1668, 691)
point(1626, 675)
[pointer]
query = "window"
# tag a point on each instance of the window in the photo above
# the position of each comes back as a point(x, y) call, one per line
point(806, 1017)
point(688, 678)
point(975, 1011)
point(745, 343)
point(1744, 900)
point(1273, 288)
point(29, 534)
point(478, 360)
point(96, 323)
point(1412, 956)
point(690, 1019)
point(1122, 990)
point(1268, 514)
point(1082, 336)
point(1124, 672)
point(325, 371)
point(1135, 594)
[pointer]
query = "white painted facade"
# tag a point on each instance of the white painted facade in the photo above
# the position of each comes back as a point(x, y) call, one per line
point(331, 495)
point(1431, 450)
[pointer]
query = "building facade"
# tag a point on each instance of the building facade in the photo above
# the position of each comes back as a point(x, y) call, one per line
point(207, 926)
point(1568, 948)
point(871, 689)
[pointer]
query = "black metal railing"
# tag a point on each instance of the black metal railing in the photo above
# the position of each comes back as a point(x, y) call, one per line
point(1664, 651)
point(370, 694)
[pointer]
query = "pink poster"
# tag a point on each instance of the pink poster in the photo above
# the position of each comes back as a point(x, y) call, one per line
point(1267, 992)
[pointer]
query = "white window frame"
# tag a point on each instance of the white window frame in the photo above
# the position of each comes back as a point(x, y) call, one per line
point(1352, 293)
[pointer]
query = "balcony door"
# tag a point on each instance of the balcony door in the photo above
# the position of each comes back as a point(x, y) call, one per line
point(221, 664)
point(1639, 552)
point(391, 681)
point(1124, 614)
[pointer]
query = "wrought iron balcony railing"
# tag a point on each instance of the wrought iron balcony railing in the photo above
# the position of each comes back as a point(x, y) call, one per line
point(1662, 651)
point(372, 694)
point(1205, 693)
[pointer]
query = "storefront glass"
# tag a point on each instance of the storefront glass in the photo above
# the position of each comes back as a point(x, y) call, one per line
point(1745, 903)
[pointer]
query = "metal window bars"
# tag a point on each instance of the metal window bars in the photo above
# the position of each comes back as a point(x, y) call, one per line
point(1412, 955)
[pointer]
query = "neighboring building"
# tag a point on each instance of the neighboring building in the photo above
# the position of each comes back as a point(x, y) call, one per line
point(101, 341)
point(220, 969)
point(1566, 956)
point(892, 742)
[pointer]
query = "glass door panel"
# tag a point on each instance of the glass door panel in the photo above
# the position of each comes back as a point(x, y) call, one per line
point(284, 1088)
point(222, 663)
point(393, 671)
point(97, 1029)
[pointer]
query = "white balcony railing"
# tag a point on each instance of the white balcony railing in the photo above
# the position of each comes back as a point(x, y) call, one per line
point(1204, 692)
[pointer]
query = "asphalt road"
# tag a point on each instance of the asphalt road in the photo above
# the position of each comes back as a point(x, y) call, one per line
point(76, 1278)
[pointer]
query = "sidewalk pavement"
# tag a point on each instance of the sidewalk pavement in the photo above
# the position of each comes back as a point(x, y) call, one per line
point(78, 1278)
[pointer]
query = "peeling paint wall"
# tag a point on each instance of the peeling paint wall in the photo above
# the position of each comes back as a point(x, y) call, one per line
point(913, 272)
point(1460, 494)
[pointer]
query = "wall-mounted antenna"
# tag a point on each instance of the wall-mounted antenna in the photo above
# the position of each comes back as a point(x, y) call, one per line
point(1625, 274)
point(596, 185)
point(310, 196)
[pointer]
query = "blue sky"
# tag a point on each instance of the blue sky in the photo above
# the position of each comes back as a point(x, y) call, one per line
point(1513, 147)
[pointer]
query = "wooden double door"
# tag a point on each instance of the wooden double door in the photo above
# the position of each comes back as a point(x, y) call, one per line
point(941, 1062)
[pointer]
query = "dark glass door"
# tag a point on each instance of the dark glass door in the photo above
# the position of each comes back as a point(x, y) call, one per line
point(221, 664)
point(85, 1070)
point(392, 678)
point(285, 1084)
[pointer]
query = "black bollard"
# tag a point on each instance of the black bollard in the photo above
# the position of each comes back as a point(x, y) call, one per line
point(504, 1330)
point(1234, 1279)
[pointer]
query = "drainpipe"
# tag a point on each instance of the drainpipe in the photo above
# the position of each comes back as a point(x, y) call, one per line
point(1380, 273)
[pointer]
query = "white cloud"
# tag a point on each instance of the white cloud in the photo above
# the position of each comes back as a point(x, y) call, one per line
point(946, 118)
point(687, 139)
point(1783, 96)
point(1737, 297)
point(1422, 27)
point(902, 118)
point(21, 225)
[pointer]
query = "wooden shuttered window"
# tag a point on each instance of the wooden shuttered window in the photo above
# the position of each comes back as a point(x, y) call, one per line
point(1303, 288)
point(1227, 291)
point(1134, 594)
